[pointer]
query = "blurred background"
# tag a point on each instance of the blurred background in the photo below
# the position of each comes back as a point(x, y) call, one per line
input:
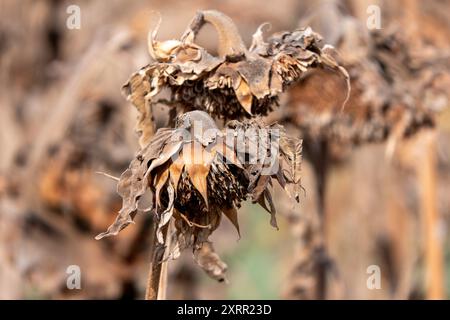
point(63, 118)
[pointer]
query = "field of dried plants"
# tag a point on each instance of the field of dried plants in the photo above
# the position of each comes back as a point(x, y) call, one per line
point(103, 197)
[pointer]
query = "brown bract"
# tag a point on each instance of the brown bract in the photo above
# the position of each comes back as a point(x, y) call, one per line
point(196, 173)
point(235, 84)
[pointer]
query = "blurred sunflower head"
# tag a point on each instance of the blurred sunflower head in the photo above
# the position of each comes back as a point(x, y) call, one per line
point(196, 173)
point(396, 91)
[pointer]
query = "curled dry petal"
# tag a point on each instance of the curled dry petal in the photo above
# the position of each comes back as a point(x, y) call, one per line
point(160, 51)
point(210, 262)
point(133, 184)
point(258, 37)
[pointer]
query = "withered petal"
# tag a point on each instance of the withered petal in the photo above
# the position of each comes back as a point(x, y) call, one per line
point(273, 212)
point(170, 149)
point(166, 215)
point(160, 178)
point(231, 214)
point(260, 185)
point(197, 175)
point(262, 202)
point(256, 71)
point(328, 61)
point(175, 169)
point(122, 221)
point(135, 91)
point(197, 161)
point(258, 37)
point(209, 261)
point(244, 96)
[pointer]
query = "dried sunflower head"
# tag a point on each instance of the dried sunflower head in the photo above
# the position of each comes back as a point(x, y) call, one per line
point(269, 154)
point(196, 173)
point(395, 91)
point(236, 84)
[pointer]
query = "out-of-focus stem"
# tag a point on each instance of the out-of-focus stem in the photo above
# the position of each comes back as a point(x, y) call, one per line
point(320, 164)
point(313, 263)
point(434, 258)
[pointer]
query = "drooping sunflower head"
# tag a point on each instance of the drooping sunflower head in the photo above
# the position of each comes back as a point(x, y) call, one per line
point(390, 102)
point(196, 173)
point(238, 83)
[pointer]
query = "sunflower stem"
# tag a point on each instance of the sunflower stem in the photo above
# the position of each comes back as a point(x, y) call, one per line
point(155, 267)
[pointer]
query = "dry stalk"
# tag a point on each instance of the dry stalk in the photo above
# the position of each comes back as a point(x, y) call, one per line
point(434, 256)
point(157, 273)
point(157, 252)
